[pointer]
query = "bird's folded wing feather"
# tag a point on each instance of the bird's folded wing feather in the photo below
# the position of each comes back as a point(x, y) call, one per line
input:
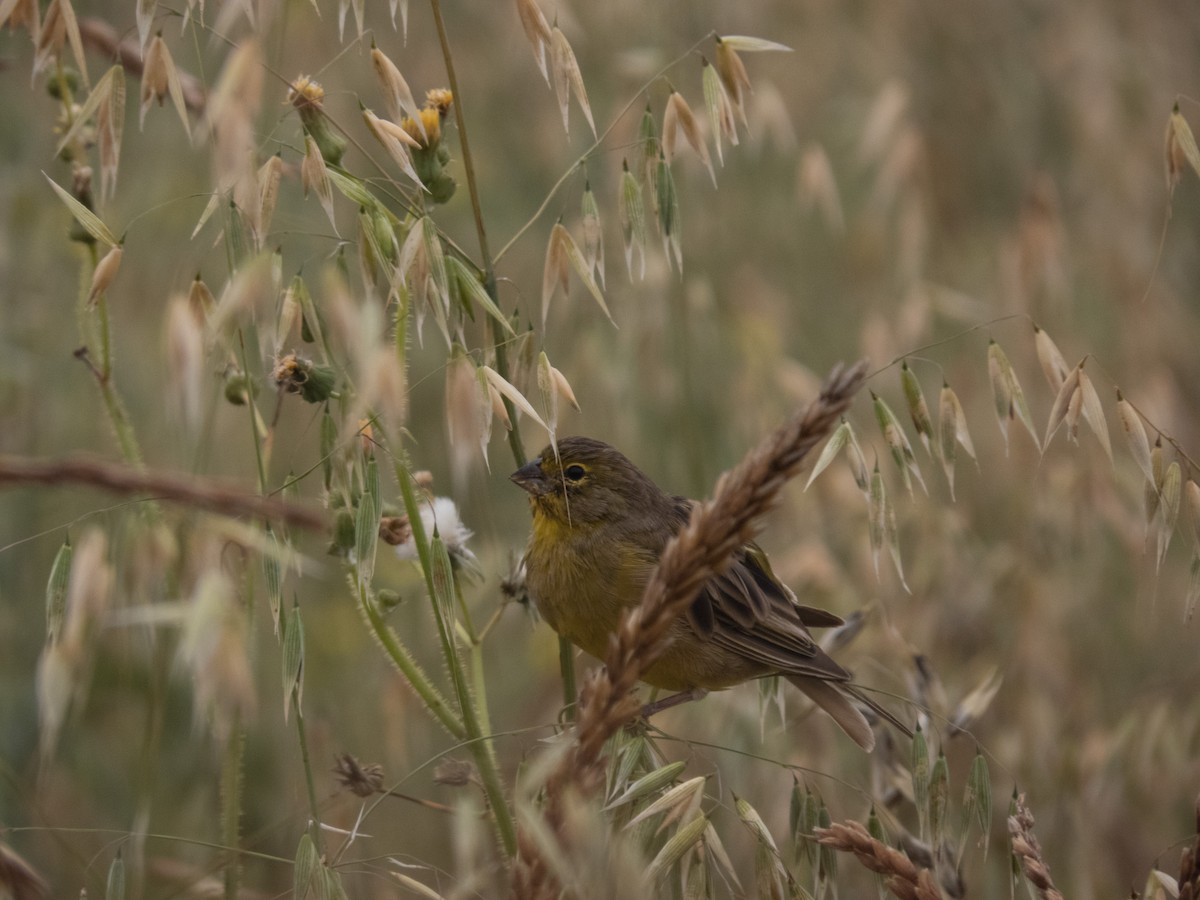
point(749, 611)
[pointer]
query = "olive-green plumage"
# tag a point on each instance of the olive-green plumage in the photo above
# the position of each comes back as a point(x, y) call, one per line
point(599, 525)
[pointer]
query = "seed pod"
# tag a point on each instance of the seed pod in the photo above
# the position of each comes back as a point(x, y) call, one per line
point(1054, 367)
point(104, 274)
point(1135, 435)
point(1154, 482)
point(631, 212)
point(918, 409)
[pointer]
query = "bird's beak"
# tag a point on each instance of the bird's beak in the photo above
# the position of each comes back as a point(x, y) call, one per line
point(530, 477)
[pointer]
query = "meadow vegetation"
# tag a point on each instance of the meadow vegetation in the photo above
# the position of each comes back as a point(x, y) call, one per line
point(289, 288)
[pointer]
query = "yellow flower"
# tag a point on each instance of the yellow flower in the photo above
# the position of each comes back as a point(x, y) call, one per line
point(433, 127)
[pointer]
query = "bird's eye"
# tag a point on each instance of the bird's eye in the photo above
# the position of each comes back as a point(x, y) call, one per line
point(574, 472)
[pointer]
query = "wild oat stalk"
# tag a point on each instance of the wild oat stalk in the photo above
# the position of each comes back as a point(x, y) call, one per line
point(1025, 845)
point(901, 876)
point(701, 550)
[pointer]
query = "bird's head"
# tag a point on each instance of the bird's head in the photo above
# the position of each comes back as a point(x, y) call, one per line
point(586, 482)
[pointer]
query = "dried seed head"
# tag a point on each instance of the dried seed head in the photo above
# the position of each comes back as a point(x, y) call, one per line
point(296, 375)
point(454, 773)
point(360, 779)
point(395, 530)
point(440, 99)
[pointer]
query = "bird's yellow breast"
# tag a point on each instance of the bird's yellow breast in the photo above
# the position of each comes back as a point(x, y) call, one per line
point(580, 579)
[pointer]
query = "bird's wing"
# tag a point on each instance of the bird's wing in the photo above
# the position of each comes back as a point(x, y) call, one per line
point(749, 611)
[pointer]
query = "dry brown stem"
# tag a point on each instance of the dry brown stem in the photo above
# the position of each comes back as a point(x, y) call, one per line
point(211, 495)
point(902, 877)
point(1025, 845)
point(701, 550)
point(104, 39)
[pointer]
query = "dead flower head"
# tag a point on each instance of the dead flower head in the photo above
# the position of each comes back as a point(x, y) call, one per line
point(360, 779)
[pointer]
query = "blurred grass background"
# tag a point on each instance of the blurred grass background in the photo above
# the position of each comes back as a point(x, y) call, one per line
point(990, 161)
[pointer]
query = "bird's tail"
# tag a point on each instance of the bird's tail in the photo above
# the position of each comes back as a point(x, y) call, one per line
point(839, 699)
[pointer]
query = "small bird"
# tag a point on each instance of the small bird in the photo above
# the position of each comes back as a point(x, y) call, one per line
point(599, 526)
